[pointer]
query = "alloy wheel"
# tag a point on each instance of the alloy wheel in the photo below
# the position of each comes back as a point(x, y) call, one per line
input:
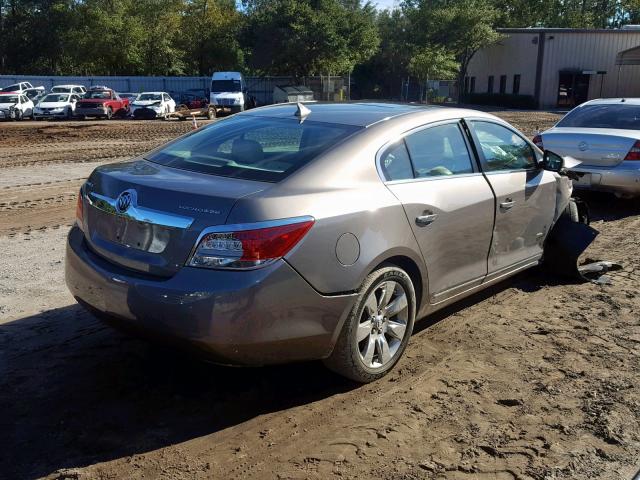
point(383, 324)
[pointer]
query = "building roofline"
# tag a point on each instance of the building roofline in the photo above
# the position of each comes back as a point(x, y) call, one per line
point(567, 30)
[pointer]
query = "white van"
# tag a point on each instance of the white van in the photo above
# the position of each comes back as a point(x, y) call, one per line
point(228, 91)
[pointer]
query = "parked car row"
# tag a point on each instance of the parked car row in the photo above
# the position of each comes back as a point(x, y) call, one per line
point(22, 100)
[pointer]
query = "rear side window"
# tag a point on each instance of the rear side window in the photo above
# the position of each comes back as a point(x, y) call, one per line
point(252, 148)
point(617, 116)
point(395, 163)
point(439, 150)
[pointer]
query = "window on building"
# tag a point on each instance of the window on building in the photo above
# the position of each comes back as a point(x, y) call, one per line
point(490, 84)
point(466, 85)
point(503, 84)
point(473, 84)
point(516, 84)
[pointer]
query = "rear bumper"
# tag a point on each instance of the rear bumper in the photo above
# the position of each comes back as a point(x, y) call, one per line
point(624, 178)
point(264, 316)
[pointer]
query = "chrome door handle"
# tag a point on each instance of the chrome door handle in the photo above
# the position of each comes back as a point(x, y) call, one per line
point(506, 205)
point(424, 220)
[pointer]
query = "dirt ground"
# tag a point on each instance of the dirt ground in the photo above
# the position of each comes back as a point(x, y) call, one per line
point(535, 378)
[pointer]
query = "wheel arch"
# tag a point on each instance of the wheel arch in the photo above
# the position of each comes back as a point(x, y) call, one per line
point(417, 276)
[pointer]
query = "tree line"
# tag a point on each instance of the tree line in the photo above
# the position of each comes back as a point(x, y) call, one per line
point(421, 38)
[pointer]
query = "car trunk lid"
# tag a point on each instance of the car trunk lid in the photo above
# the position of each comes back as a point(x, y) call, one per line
point(600, 147)
point(147, 217)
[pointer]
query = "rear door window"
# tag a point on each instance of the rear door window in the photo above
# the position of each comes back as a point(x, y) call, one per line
point(439, 150)
point(252, 148)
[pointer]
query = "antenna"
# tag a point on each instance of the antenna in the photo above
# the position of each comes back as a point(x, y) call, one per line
point(302, 112)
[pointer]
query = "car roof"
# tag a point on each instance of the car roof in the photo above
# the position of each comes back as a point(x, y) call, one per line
point(357, 114)
point(362, 114)
point(159, 93)
point(67, 86)
point(611, 101)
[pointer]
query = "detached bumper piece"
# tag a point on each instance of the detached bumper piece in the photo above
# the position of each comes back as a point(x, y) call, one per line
point(568, 239)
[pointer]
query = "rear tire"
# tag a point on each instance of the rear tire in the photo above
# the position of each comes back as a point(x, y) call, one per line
point(376, 332)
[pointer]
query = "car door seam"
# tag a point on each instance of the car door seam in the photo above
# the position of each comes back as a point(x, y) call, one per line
point(493, 192)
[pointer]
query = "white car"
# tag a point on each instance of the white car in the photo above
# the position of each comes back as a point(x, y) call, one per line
point(15, 106)
point(21, 87)
point(56, 105)
point(152, 105)
point(604, 135)
point(77, 89)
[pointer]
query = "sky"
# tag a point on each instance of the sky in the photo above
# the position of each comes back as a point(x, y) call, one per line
point(382, 4)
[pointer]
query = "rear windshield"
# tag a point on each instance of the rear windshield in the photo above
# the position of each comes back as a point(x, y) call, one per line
point(8, 99)
point(252, 148)
point(617, 116)
point(61, 89)
point(100, 94)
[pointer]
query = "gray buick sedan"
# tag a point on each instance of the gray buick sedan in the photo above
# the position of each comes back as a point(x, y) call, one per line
point(317, 231)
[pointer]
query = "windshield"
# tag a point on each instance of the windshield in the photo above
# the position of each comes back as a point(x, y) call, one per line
point(60, 89)
point(149, 96)
point(252, 148)
point(225, 86)
point(617, 116)
point(101, 94)
point(10, 88)
point(8, 98)
point(56, 97)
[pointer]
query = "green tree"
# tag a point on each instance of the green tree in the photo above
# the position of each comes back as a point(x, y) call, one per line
point(462, 26)
point(304, 37)
point(210, 35)
point(432, 62)
point(381, 76)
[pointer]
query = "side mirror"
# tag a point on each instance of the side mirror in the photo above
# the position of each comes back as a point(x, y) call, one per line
point(552, 161)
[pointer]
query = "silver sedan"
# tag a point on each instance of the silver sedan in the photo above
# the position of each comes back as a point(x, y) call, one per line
point(604, 135)
point(318, 231)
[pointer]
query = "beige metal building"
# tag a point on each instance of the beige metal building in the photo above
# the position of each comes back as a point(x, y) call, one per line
point(559, 67)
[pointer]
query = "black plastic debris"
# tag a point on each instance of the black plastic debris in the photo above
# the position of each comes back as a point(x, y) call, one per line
point(594, 271)
point(567, 241)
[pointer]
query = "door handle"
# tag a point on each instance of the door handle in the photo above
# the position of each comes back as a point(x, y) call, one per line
point(507, 204)
point(424, 220)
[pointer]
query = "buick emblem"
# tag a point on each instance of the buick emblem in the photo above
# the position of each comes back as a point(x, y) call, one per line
point(124, 201)
point(582, 146)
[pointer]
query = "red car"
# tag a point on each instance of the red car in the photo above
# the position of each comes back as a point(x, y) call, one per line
point(102, 102)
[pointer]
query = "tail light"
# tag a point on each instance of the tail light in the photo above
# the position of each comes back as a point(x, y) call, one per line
point(248, 246)
point(79, 210)
point(537, 140)
point(634, 153)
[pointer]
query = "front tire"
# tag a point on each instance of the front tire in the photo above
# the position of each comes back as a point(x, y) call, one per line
point(376, 332)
